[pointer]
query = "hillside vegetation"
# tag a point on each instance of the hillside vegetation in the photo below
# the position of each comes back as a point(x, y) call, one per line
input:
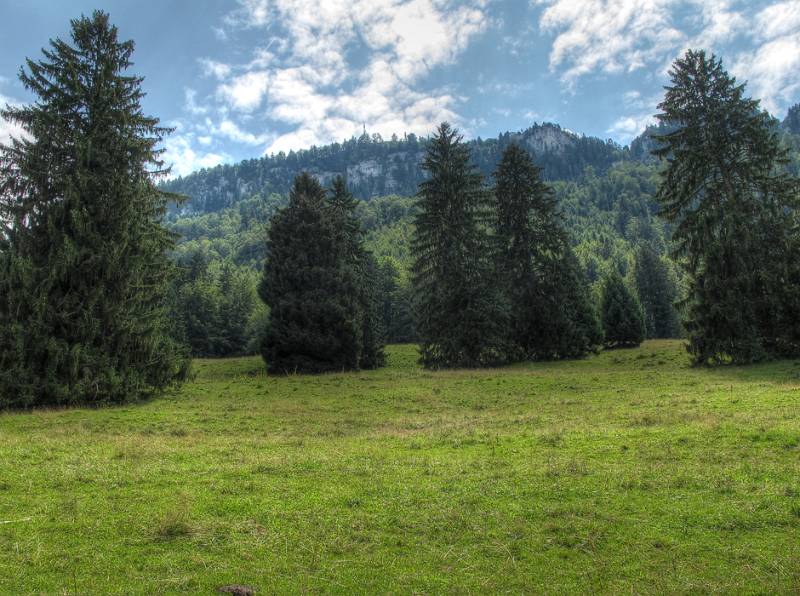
point(623, 472)
point(377, 167)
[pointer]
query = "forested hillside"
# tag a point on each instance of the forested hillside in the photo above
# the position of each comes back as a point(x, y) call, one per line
point(376, 167)
point(604, 192)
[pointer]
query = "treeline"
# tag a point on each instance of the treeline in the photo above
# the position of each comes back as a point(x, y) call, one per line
point(609, 221)
point(726, 208)
point(494, 278)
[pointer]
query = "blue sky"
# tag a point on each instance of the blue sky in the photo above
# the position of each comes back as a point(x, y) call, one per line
point(244, 78)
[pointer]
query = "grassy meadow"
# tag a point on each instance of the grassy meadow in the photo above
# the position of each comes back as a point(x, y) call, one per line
point(627, 471)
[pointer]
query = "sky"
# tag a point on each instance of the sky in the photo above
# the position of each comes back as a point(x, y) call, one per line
point(239, 79)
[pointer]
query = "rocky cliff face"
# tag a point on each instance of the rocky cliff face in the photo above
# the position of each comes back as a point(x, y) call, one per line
point(549, 140)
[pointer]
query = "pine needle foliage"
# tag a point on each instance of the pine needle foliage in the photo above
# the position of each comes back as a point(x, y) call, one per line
point(551, 313)
point(657, 293)
point(360, 268)
point(83, 254)
point(734, 208)
point(318, 284)
point(623, 321)
point(461, 315)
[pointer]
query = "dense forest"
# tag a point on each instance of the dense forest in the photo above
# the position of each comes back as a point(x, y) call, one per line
point(606, 195)
point(608, 211)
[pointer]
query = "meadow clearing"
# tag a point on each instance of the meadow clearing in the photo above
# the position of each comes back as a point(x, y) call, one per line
point(628, 471)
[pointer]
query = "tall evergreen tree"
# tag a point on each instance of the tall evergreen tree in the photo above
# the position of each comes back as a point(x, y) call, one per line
point(396, 310)
point(656, 292)
point(84, 268)
point(568, 323)
point(623, 323)
point(359, 272)
point(546, 291)
point(314, 323)
point(460, 314)
point(735, 212)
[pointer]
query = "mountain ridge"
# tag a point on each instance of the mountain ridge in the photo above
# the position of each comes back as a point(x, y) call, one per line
point(374, 167)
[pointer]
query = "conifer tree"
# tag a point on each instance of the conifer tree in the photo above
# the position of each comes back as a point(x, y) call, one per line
point(396, 310)
point(734, 209)
point(359, 272)
point(315, 324)
point(460, 311)
point(623, 323)
point(84, 269)
point(568, 324)
point(656, 293)
point(373, 334)
point(551, 313)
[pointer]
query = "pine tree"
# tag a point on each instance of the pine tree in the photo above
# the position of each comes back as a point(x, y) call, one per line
point(656, 292)
point(396, 309)
point(312, 326)
point(372, 334)
point(734, 210)
point(623, 323)
point(460, 314)
point(568, 324)
point(84, 269)
point(551, 314)
point(359, 272)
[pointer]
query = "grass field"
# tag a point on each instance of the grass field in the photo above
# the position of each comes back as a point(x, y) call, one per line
point(624, 472)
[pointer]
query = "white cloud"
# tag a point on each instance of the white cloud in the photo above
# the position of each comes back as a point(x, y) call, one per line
point(216, 69)
point(184, 160)
point(9, 130)
point(229, 129)
point(616, 36)
point(190, 104)
point(771, 70)
point(220, 33)
point(639, 114)
point(597, 37)
point(626, 128)
point(245, 92)
point(252, 13)
point(779, 19)
point(306, 75)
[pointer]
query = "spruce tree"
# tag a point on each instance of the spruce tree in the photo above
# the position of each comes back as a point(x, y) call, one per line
point(656, 292)
point(84, 269)
point(396, 309)
point(568, 324)
point(312, 327)
point(623, 323)
point(734, 209)
point(373, 334)
point(551, 313)
point(460, 310)
point(359, 272)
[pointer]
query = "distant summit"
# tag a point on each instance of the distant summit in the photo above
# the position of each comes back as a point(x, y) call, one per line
point(375, 167)
point(792, 121)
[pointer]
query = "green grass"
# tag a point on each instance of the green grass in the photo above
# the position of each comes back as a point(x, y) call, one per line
point(624, 472)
